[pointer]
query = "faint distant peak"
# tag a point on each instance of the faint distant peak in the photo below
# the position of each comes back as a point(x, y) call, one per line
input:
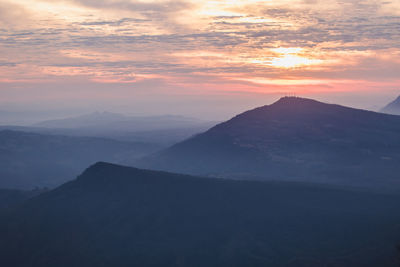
point(393, 107)
point(104, 114)
point(108, 116)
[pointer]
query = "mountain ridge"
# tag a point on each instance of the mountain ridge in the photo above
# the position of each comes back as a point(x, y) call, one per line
point(101, 119)
point(393, 107)
point(291, 139)
point(29, 160)
point(121, 216)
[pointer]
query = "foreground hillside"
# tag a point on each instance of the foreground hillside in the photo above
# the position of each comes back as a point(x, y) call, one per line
point(294, 139)
point(29, 160)
point(120, 216)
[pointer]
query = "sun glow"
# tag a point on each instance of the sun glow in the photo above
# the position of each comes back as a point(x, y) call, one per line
point(289, 58)
point(292, 61)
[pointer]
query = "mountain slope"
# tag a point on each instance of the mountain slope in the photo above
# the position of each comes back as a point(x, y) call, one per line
point(392, 107)
point(120, 216)
point(10, 198)
point(29, 160)
point(294, 139)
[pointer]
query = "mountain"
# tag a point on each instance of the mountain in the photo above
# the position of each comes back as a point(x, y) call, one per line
point(105, 120)
point(160, 137)
point(87, 120)
point(119, 216)
point(294, 139)
point(29, 160)
point(25, 117)
point(161, 130)
point(392, 107)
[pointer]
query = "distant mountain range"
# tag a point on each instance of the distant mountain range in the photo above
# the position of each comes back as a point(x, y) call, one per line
point(294, 139)
point(26, 117)
point(162, 130)
point(114, 121)
point(392, 107)
point(29, 160)
point(119, 216)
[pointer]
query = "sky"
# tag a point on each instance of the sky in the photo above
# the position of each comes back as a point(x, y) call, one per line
point(208, 59)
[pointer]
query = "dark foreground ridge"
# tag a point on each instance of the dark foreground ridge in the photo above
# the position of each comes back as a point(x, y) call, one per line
point(121, 216)
point(294, 139)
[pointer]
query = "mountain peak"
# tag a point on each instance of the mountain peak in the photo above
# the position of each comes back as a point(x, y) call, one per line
point(290, 107)
point(393, 107)
point(104, 173)
point(103, 168)
point(294, 100)
point(295, 139)
point(101, 165)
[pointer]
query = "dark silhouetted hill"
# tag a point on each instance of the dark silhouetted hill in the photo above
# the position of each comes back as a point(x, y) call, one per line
point(120, 216)
point(294, 139)
point(29, 160)
point(392, 107)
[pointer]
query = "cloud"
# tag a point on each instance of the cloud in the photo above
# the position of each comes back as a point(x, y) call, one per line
point(13, 15)
point(162, 11)
point(202, 44)
point(113, 22)
point(7, 64)
point(155, 6)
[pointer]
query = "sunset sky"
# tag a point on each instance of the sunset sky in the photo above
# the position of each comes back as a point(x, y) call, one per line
point(196, 57)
